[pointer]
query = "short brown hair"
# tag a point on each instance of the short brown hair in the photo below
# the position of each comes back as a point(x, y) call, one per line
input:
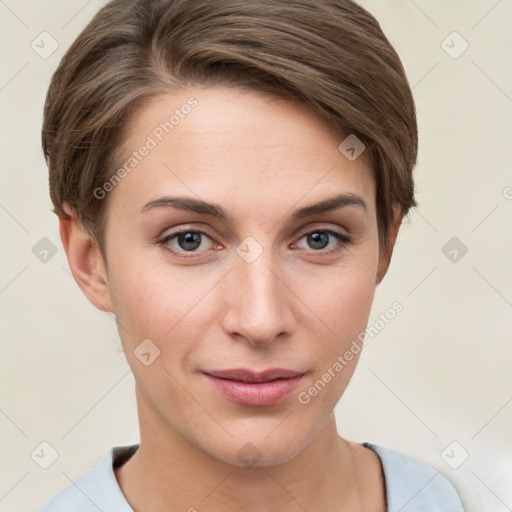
point(331, 54)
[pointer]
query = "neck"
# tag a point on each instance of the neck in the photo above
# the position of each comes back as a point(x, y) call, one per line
point(169, 473)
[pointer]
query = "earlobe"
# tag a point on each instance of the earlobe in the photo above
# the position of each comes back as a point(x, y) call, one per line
point(85, 261)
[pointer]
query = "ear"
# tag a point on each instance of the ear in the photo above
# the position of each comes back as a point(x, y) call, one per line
point(385, 255)
point(85, 261)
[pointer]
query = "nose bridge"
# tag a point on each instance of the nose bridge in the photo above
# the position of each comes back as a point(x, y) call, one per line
point(256, 298)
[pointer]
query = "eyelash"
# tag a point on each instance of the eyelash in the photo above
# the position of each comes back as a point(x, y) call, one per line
point(342, 238)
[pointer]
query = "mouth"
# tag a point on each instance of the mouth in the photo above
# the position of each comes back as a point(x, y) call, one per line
point(256, 389)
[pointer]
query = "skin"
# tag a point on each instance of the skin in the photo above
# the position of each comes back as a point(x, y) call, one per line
point(296, 306)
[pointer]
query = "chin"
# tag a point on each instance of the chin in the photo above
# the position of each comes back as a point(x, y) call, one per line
point(251, 449)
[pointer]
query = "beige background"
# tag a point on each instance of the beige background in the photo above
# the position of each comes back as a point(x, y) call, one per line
point(438, 373)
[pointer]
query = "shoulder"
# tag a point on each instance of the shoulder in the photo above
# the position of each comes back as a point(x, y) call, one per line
point(97, 489)
point(414, 486)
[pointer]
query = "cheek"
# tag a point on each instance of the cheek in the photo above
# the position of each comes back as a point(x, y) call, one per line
point(341, 297)
point(343, 305)
point(342, 300)
point(351, 299)
point(158, 301)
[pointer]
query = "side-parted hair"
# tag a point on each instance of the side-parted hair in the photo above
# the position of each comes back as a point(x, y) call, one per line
point(330, 54)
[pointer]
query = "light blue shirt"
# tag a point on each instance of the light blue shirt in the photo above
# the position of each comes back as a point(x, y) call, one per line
point(411, 486)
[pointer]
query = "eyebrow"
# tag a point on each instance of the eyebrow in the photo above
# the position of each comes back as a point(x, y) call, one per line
point(198, 206)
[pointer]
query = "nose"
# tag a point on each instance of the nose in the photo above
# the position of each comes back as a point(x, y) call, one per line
point(258, 300)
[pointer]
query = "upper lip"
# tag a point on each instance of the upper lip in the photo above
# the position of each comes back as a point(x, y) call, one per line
point(242, 375)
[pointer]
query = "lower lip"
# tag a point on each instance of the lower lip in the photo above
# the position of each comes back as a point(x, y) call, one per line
point(256, 394)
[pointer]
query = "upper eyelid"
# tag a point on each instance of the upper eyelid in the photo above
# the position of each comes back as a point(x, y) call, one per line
point(302, 232)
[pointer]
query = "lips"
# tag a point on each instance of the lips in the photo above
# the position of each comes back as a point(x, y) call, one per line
point(242, 375)
point(247, 387)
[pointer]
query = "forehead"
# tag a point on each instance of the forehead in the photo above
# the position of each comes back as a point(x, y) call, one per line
point(225, 143)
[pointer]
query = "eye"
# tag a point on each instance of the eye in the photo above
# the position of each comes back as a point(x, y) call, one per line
point(186, 241)
point(197, 241)
point(319, 240)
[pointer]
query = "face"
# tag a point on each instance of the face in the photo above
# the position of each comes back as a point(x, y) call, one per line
point(233, 294)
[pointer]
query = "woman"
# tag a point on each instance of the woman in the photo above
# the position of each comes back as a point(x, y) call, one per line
point(230, 178)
